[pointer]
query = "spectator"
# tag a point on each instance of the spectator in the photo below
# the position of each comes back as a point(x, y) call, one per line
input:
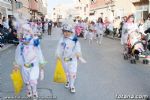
point(121, 25)
point(116, 26)
point(5, 23)
point(0, 20)
point(10, 22)
point(50, 24)
point(100, 30)
point(46, 26)
point(141, 26)
point(128, 27)
point(107, 26)
point(147, 25)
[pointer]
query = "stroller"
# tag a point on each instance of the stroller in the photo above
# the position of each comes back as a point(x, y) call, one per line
point(135, 47)
point(146, 54)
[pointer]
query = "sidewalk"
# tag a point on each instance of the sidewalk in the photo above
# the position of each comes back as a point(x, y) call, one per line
point(111, 37)
point(6, 46)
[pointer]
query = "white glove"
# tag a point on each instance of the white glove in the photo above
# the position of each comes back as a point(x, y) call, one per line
point(82, 60)
point(42, 74)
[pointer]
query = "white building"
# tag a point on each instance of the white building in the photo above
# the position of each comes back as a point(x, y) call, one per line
point(64, 11)
point(114, 8)
point(82, 8)
point(5, 7)
point(78, 9)
point(45, 6)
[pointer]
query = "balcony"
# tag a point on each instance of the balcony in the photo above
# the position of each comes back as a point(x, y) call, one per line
point(140, 2)
point(33, 5)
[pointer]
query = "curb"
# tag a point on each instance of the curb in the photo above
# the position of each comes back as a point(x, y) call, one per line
point(115, 38)
point(7, 46)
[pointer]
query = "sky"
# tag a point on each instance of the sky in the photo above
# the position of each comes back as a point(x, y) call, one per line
point(53, 3)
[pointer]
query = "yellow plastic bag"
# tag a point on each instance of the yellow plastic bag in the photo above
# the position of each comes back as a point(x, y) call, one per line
point(59, 74)
point(17, 81)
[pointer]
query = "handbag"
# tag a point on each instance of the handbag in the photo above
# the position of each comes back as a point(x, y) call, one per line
point(17, 81)
point(59, 74)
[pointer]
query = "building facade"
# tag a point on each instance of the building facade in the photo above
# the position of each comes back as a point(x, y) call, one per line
point(114, 8)
point(82, 8)
point(23, 8)
point(59, 13)
point(142, 8)
point(38, 8)
point(110, 8)
point(34, 9)
point(5, 8)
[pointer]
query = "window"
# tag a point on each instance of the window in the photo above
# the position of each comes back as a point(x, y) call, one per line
point(93, 1)
point(87, 5)
point(60, 16)
point(84, 9)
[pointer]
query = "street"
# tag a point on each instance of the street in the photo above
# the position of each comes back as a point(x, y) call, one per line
point(105, 75)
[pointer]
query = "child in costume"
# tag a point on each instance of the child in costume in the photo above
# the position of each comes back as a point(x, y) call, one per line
point(100, 30)
point(129, 27)
point(69, 51)
point(92, 32)
point(29, 57)
point(85, 25)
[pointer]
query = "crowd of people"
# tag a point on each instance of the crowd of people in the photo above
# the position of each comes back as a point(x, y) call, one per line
point(30, 60)
point(8, 29)
point(96, 29)
point(8, 32)
point(29, 55)
point(134, 34)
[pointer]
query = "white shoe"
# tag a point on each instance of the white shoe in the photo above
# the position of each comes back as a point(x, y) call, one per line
point(72, 90)
point(29, 94)
point(97, 42)
point(28, 91)
point(35, 96)
point(67, 85)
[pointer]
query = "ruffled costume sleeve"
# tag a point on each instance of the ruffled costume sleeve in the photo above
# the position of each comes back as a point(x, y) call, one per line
point(18, 57)
point(59, 49)
point(78, 49)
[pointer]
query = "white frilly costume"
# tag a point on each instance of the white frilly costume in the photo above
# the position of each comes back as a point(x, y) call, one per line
point(67, 50)
point(29, 57)
point(127, 29)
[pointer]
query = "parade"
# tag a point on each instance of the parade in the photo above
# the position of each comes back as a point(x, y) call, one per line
point(75, 56)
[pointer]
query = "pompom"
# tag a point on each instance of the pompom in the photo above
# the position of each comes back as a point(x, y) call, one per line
point(75, 39)
point(36, 42)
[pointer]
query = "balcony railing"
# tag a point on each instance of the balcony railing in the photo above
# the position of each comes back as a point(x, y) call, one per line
point(33, 5)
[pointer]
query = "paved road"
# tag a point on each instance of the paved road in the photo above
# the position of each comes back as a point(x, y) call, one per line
point(104, 75)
